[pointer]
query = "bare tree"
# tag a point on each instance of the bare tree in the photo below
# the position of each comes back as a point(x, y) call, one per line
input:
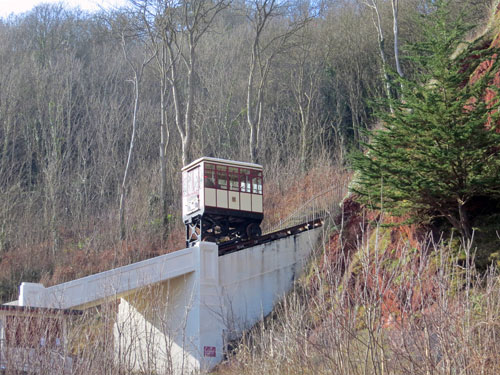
point(152, 15)
point(179, 26)
point(138, 70)
point(377, 21)
point(305, 82)
point(395, 16)
point(265, 45)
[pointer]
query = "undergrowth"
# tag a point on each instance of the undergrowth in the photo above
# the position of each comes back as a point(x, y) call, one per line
point(387, 304)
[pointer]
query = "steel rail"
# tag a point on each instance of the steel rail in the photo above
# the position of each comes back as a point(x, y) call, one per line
point(233, 245)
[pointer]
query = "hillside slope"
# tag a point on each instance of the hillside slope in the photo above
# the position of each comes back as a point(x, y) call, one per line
point(385, 297)
point(380, 300)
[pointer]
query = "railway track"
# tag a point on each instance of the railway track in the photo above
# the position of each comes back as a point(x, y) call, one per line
point(237, 245)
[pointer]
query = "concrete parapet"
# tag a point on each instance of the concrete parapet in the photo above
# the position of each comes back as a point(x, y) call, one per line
point(92, 290)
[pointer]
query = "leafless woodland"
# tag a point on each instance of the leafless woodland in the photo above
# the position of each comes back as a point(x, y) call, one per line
point(98, 112)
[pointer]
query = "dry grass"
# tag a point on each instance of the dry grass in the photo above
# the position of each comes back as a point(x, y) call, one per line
point(373, 311)
point(374, 300)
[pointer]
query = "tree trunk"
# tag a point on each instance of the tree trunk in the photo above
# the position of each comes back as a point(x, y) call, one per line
point(250, 106)
point(138, 71)
point(188, 120)
point(129, 158)
point(381, 45)
point(465, 228)
point(303, 137)
point(164, 140)
point(462, 222)
point(395, 13)
point(181, 126)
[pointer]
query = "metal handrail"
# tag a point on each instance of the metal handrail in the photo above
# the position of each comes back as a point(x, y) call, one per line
point(310, 210)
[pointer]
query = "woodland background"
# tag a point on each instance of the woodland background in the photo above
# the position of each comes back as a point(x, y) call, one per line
point(98, 113)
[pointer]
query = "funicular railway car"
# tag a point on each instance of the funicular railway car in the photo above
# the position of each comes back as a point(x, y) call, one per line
point(221, 200)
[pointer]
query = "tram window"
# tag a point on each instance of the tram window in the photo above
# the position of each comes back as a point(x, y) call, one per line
point(248, 184)
point(233, 179)
point(189, 183)
point(221, 177)
point(195, 175)
point(209, 176)
point(245, 186)
point(184, 184)
point(257, 185)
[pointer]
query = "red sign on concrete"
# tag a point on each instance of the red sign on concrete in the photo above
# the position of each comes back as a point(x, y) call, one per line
point(209, 351)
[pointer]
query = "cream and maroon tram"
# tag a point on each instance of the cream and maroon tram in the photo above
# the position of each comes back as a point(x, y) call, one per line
point(221, 199)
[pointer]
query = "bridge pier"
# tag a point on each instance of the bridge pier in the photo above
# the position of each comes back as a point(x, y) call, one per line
point(174, 326)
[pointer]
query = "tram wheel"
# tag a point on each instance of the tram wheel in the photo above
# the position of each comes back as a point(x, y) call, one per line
point(253, 230)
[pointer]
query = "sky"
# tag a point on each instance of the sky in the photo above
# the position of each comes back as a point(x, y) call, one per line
point(19, 6)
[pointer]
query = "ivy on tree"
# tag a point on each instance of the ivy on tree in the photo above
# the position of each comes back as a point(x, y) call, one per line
point(439, 146)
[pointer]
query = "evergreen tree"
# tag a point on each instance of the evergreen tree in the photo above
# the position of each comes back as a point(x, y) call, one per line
point(435, 152)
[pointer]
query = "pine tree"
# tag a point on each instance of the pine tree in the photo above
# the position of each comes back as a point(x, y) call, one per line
point(434, 153)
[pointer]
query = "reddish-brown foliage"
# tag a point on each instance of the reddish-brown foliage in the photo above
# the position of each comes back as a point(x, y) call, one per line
point(394, 241)
point(490, 96)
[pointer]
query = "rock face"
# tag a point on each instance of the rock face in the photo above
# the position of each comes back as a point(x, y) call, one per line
point(371, 251)
point(492, 42)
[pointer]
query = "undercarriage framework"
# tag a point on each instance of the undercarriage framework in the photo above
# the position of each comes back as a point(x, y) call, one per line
point(218, 228)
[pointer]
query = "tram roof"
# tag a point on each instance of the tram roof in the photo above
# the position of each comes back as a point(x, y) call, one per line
point(222, 161)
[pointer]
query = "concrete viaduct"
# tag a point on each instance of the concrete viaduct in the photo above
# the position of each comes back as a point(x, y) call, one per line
point(184, 306)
